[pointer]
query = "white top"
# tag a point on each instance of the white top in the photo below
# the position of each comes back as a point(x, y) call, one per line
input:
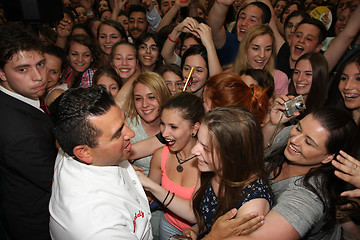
point(92, 202)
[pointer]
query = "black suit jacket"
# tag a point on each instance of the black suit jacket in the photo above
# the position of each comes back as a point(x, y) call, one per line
point(27, 157)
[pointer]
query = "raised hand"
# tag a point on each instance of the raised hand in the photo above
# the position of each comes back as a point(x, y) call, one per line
point(118, 4)
point(188, 25)
point(349, 171)
point(278, 108)
point(204, 33)
point(182, 3)
point(64, 27)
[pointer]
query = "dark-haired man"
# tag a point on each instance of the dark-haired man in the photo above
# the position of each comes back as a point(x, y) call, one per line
point(96, 193)
point(227, 44)
point(307, 37)
point(27, 145)
point(138, 24)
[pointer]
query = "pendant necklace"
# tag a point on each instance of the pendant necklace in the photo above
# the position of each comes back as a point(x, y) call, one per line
point(180, 168)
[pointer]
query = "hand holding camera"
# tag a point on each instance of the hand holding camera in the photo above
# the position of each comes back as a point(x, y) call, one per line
point(285, 108)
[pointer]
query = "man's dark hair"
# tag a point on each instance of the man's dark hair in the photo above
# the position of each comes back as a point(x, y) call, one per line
point(317, 23)
point(15, 38)
point(136, 8)
point(70, 115)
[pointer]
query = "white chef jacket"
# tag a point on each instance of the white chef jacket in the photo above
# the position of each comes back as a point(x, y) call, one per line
point(93, 202)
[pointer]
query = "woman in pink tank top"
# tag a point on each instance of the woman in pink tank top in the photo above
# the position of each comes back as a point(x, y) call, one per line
point(174, 166)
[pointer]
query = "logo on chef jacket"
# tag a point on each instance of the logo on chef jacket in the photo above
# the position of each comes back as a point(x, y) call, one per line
point(137, 215)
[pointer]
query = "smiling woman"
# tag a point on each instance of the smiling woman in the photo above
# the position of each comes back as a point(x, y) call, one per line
point(148, 50)
point(259, 46)
point(82, 54)
point(143, 106)
point(310, 79)
point(344, 91)
point(196, 57)
point(109, 32)
point(174, 166)
point(305, 188)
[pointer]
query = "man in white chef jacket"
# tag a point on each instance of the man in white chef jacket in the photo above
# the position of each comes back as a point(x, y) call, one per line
point(96, 194)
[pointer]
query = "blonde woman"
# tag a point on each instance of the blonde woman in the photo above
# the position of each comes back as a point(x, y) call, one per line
point(143, 107)
point(257, 51)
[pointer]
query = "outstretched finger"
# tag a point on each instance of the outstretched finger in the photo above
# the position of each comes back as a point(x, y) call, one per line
point(343, 176)
point(349, 158)
point(352, 193)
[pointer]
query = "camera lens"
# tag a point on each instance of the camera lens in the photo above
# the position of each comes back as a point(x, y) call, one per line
point(299, 105)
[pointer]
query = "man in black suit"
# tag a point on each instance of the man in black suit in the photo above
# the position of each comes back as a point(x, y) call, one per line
point(27, 144)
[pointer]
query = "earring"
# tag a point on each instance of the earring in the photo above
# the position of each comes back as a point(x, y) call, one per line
point(193, 134)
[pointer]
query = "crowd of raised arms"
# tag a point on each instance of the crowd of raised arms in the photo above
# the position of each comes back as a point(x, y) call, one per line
point(182, 119)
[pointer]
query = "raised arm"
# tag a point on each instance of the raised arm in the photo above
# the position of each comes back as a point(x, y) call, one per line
point(117, 6)
point(340, 43)
point(188, 25)
point(216, 20)
point(278, 37)
point(63, 30)
point(277, 116)
point(204, 32)
point(172, 13)
point(144, 148)
point(152, 14)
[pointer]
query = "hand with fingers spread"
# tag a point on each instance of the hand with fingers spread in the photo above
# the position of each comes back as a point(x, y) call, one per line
point(349, 171)
point(227, 226)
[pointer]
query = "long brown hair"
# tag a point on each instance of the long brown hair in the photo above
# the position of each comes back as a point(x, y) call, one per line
point(236, 139)
point(320, 81)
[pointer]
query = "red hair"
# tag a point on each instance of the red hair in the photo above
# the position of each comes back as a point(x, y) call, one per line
point(229, 90)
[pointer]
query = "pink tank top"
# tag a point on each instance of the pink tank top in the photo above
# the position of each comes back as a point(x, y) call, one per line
point(179, 191)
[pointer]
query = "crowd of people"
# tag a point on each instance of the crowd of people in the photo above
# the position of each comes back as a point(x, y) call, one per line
point(182, 119)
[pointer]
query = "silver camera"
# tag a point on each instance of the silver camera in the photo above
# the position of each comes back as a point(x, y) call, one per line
point(294, 105)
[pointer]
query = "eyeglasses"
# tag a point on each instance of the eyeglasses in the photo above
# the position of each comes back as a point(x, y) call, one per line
point(145, 47)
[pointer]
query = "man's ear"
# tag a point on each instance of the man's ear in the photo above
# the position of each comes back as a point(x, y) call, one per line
point(83, 153)
point(318, 48)
point(328, 158)
point(2, 75)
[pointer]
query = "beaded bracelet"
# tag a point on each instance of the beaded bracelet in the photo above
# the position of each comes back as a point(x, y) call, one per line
point(176, 41)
